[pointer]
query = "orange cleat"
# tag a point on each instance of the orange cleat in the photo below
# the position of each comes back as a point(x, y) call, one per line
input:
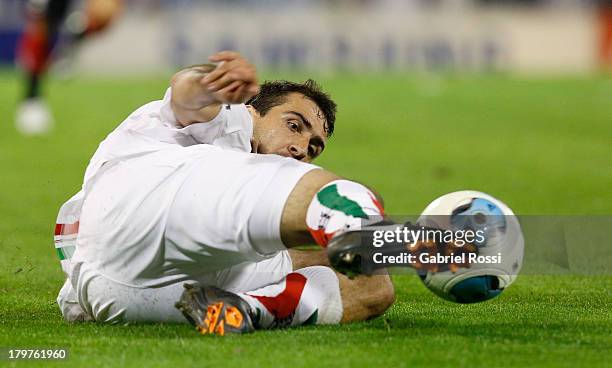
point(214, 311)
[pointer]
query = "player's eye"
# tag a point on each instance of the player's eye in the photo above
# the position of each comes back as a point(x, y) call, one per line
point(293, 125)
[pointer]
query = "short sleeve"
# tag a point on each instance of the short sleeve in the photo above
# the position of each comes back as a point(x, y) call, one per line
point(237, 129)
point(202, 133)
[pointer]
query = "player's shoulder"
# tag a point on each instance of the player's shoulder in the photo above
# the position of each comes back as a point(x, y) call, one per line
point(238, 118)
point(237, 128)
point(148, 108)
point(157, 110)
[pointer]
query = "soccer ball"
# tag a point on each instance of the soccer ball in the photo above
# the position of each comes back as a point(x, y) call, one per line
point(501, 236)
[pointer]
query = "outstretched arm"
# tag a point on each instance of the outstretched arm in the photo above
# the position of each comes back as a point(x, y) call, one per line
point(199, 91)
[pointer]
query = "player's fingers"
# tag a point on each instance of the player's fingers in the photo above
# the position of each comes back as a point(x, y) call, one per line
point(219, 71)
point(237, 95)
point(236, 71)
point(229, 88)
point(228, 72)
point(251, 90)
point(245, 92)
point(224, 56)
point(240, 69)
point(244, 72)
point(221, 83)
point(254, 89)
point(233, 70)
point(225, 94)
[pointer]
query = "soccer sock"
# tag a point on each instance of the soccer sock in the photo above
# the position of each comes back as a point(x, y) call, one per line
point(33, 86)
point(34, 47)
point(307, 296)
point(339, 206)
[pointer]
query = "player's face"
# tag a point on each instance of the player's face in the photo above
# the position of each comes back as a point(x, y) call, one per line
point(292, 129)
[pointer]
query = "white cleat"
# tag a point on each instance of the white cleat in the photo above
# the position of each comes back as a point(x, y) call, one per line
point(33, 117)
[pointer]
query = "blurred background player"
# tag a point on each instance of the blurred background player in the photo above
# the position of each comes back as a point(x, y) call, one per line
point(604, 16)
point(46, 20)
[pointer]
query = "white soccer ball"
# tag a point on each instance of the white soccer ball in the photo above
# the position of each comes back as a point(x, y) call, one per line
point(503, 238)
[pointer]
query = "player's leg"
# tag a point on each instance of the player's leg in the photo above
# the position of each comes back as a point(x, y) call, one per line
point(44, 19)
point(219, 210)
point(104, 300)
point(294, 230)
point(307, 296)
point(95, 17)
point(343, 216)
point(43, 25)
point(363, 297)
point(322, 205)
point(319, 206)
point(319, 295)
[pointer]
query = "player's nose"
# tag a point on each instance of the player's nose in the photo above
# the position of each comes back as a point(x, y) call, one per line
point(297, 152)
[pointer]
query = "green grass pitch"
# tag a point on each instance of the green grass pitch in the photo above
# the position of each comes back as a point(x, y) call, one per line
point(542, 145)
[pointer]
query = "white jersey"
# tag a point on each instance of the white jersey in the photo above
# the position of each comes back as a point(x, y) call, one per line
point(150, 128)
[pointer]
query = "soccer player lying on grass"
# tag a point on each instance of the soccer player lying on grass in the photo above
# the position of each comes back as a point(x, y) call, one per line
point(202, 190)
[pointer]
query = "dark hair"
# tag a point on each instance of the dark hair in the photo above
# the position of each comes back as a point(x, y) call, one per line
point(272, 93)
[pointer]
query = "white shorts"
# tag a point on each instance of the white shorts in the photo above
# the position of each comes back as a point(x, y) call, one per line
point(185, 212)
point(103, 300)
point(197, 213)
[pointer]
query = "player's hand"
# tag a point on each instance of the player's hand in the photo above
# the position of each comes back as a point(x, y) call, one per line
point(233, 81)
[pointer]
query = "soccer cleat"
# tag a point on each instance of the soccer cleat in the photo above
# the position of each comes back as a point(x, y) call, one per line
point(214, 311)
point(349, 252)
point(352, 252)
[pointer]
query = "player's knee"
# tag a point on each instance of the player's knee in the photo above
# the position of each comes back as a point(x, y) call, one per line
point(293, 220)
